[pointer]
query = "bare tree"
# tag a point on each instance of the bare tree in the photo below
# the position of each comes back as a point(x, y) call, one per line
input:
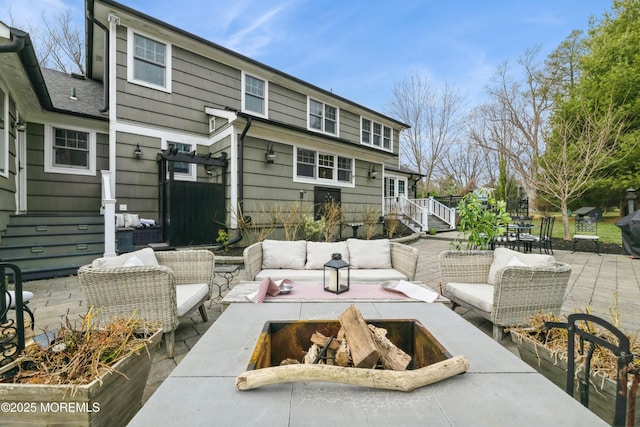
point(467, 166)
point(58, 43)
point(522, 106)
point(61, 45)
point(434, 117)
point(581, 146)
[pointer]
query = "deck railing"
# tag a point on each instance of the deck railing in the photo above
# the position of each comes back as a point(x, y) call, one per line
point(420, 209)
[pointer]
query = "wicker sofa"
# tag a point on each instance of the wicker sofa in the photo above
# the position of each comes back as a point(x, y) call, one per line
point(157, 286)
point(371, 261)
point(504, 286)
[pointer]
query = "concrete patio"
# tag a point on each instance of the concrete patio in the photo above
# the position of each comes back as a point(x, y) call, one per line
point(596, 282)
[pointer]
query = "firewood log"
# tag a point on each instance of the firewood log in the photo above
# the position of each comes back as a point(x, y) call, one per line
point(391, 356)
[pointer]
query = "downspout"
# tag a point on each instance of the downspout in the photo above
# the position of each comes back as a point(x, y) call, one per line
point(241, 162)
point(105, 72)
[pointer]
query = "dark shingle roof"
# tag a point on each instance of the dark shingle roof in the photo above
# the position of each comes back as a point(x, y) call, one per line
point(89, 94)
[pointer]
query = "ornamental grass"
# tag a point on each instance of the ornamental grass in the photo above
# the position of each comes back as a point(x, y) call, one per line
point(79, 355)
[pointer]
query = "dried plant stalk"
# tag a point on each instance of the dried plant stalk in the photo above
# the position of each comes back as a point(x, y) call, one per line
point(80, 355)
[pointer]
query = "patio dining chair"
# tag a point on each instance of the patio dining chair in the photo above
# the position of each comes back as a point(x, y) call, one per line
point(543, 240)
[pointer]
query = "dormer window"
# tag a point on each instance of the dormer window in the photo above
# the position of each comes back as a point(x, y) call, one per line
point(254, 95)
point(323, 117)
point(376, 134)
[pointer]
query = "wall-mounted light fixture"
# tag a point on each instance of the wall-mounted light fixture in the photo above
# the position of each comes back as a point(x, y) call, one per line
point(137, 152)
point(270, 155)
point(372, 172)
point(20, 126)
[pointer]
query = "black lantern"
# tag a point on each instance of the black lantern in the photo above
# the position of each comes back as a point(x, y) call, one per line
point(332, 279)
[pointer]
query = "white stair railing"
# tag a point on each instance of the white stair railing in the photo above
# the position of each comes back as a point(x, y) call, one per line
point(108, 210)
point(429, 206)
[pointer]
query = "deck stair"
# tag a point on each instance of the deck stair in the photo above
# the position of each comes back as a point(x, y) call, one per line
point(46, 246)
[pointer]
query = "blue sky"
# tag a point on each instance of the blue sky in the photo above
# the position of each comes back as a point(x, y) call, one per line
point(359, 48)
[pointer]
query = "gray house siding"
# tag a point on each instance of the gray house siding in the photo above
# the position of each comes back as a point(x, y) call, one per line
point(61, 193)
point(196, 82)
point(137, 179)
point(287, 106)
point(267, 185)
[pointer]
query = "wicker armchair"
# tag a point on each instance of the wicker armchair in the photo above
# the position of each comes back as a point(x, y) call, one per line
point(518, 290)
point(164, 293)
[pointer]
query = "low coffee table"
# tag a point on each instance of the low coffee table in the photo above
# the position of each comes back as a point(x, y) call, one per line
point(240, 292)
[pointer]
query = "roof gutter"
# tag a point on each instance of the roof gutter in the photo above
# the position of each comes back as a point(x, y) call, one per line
point(21, 44)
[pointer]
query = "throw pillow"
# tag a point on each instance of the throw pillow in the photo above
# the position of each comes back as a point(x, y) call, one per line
point(318, 253)
point(133, 261)
point(502, 257)
point(131, 220)
point(369, 253)
point(146, 256)
point(119, 220)
point(284, 254)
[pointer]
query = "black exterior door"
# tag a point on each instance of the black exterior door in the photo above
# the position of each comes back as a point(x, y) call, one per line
point(196, 212)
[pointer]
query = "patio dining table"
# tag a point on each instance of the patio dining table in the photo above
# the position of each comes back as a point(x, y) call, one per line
point(498, 388)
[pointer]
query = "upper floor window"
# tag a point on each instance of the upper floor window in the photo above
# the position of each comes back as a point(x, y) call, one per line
point(376, 134)
point(70, 150)
point(323, 117)
point(149, 62)
point(4, 134)
point(324, 167)
point(254, 95)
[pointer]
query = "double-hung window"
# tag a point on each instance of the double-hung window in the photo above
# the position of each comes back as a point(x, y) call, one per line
point(323, 117)
point(323, 167)
point(70, 150)
point(254, 95)
point(148, 61)
point(376, 134)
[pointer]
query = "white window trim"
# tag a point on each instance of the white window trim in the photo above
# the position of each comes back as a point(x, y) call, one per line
point(266, 95)
point(49, 167)
point(130, 61)
point(322, 130)
point(4, 156)
point(383, 126)
point(322, 181)
point(193, 168)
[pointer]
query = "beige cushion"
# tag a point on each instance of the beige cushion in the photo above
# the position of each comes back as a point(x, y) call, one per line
point(146, 256)
point(284, 254)
point(188, 296)
point(479, 295)
point(319, 253)
point(369, 253)
point(502, 257)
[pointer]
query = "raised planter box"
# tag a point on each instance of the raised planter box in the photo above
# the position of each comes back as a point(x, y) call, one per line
point(111, 400)
point(602, 390)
